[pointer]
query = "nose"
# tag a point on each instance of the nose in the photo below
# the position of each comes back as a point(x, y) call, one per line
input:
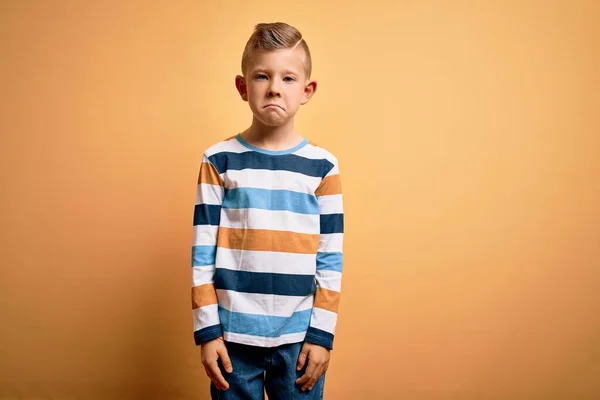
point(274, 89)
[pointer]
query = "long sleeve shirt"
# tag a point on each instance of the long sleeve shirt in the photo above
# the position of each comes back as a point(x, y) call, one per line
point(267, 245)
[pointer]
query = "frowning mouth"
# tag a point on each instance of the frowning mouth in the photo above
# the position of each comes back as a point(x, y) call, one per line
point(273, 105)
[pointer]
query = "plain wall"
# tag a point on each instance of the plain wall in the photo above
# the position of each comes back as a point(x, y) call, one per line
point(468, 140)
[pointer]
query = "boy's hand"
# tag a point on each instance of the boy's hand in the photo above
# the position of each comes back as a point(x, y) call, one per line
point(211, 352)
point(318, 362)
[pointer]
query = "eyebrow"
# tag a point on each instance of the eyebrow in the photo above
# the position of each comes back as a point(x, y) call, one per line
point(261, 69)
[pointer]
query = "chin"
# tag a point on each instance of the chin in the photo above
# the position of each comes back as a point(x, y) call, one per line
point(271, 122)
point(274, 123)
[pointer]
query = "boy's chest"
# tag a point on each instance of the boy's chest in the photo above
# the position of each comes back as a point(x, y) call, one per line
point(267, 181)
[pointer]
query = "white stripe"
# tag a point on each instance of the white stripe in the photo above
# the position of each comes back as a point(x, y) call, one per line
point(324, 320)
point(272, 180)
point(254, 218)
point(331, 280)
point(232, 145)
point(263, 304)
point(209, 194)
point(331, 204)
point(266, 261)
point(204, 235)
point(206, 316)
point(264, 341)
point(203, 275)
point(331, 242)
point(316, 153)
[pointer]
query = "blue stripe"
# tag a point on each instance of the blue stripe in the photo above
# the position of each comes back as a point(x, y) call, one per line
point(332, 223)
point(329, 261)
point(253, 160)
point(264, 282)
point(264, 325)
point(203, 255)
point(207, 214)
point(283, 200)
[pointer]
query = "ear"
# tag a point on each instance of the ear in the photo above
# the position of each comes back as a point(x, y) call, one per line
point(309, 90)
point(240, 84)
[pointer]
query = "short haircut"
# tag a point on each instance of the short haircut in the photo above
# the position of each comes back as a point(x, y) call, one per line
point(273, 36)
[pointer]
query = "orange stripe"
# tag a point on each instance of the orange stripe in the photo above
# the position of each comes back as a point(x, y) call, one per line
point(209, 174)
point(327, 299)
point(203, 295)
point(330, 185)
point(267, 240)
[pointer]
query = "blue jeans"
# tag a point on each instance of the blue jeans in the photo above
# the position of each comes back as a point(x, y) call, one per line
point(258, 368)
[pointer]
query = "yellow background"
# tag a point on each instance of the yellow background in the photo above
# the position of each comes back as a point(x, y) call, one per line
point(468, 139)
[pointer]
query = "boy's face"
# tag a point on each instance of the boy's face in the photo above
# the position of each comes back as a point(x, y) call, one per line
point(275, 85)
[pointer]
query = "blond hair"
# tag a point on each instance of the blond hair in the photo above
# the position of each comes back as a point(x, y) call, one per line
point(273, 36)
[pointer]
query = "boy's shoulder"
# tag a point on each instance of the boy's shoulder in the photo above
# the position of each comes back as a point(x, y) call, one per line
point(228, 144)
point(232, 145)
point(328, 162)
point(314, 150)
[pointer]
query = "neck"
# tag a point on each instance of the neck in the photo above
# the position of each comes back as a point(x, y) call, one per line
point(272, 137)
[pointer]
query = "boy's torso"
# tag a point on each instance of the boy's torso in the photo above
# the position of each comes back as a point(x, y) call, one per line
point(267, 240)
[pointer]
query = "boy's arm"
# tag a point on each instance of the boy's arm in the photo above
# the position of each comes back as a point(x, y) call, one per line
point(207, 212)
point(329, 260)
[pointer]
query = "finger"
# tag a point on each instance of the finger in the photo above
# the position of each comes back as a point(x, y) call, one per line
point(211, 377)
point(301, 359)
point(310, 370)
point(303, 379)
point(225, 360)
point(308, 383)
point(313, 379)
point(219, 380)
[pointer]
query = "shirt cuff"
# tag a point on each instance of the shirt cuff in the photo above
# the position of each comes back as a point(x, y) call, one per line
point(207, 334)
point(320, 337)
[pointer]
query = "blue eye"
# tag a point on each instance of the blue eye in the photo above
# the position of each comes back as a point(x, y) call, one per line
point(290, 79)
point(260, 76)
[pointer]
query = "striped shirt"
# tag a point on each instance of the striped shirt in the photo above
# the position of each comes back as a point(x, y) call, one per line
point(267, 245)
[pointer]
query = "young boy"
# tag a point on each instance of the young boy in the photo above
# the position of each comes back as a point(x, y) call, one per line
point(267, 243)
